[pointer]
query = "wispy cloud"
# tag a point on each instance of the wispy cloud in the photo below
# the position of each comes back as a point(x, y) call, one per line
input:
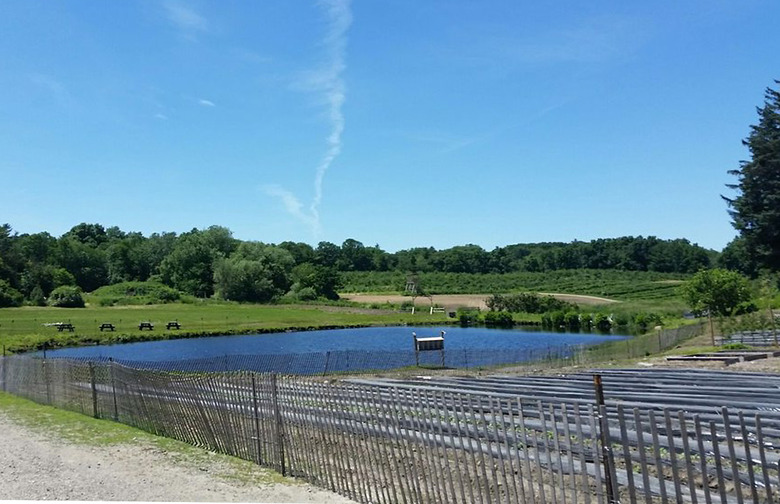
point(594, 40)
point(328, 82)
point(206, 103)
point(161, 117)
point(292, 204)
point(585, 40)
point(51, 85)
point(445, 142)
point(185, 18)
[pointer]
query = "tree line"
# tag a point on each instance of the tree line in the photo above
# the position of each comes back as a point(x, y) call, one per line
point(211, 262)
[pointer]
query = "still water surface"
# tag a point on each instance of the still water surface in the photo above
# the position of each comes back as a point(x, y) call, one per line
point(369, 338)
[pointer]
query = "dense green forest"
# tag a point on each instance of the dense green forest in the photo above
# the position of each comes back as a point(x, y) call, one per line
point(211, 262)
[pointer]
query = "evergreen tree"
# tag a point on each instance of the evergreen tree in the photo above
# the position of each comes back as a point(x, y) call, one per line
point(756, 209)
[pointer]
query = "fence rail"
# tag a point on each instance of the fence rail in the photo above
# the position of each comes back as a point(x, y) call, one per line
point(767, 337)
point(385, 443)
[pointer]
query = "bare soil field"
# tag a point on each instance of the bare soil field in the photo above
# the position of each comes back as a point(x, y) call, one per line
point(464, 300)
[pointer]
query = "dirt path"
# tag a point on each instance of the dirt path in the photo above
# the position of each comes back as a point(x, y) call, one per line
point(454, 301)
point(35, 466)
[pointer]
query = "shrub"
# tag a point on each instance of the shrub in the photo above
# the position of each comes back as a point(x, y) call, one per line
point(642, 321)
point(735, 346)
point(306, 294)
point(468, 316)
point(66, 297)
point(554, 320)
point(136, 293)
point(407, 306)
point(586, 322)
point(572, 321)
point(36, 296)
point(9, 296)
point(527, 302)
point(499, 319)
point(622, 320)
point(745, 307)
point(602, 322)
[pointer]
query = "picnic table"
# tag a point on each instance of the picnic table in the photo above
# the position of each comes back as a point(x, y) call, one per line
point(174, 324)
point(107, 326)
point(63, 326)
point(146, 325)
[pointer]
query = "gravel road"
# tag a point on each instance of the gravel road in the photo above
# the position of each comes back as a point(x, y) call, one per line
point(35, 466)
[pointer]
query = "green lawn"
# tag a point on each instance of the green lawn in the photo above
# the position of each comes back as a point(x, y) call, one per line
point(23, 328)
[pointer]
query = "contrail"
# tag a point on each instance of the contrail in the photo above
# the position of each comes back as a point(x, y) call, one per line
point(329, 82)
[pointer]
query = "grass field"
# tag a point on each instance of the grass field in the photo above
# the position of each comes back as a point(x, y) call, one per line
point(23, 328)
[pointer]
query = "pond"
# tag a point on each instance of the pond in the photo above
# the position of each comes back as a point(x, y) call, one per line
point(369, 339)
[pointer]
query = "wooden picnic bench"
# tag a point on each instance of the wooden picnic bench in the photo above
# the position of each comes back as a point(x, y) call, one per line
point(62, 326)
point(107, 326)
point(146, 325)
point(174, 324)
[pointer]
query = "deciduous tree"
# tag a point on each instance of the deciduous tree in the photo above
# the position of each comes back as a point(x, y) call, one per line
point(717, 291)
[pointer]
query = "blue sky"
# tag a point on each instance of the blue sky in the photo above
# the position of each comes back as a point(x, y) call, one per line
point(400, 123)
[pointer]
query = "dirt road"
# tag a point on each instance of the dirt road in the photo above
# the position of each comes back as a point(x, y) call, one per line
point(38, 466)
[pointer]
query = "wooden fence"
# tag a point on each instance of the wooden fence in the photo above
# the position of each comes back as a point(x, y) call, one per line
point(386, 443)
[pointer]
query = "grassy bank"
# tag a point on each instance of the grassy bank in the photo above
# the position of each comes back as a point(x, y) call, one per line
point(23, 329)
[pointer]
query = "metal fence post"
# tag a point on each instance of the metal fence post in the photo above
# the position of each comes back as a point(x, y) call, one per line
point(327, 359)
point(278, 417)
point(606, 448)
point(94, 389)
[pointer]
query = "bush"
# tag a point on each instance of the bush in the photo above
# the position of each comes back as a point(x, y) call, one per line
point(499, 319)
point(745, 307)
point(735, 346)
point(572, 321)
point(468, 316)
point(305, 294)
point(36, 296)
point(66, 297)
point(602, 322)
point(136, 293)
point(527, 302)
point(554, 320)
point(9, 296)
point(643, 321)
point(622, 320)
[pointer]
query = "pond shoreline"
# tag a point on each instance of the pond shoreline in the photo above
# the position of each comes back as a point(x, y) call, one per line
point(140, 337)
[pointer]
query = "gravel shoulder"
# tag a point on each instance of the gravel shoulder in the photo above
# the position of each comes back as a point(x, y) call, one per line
point(37, 465)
